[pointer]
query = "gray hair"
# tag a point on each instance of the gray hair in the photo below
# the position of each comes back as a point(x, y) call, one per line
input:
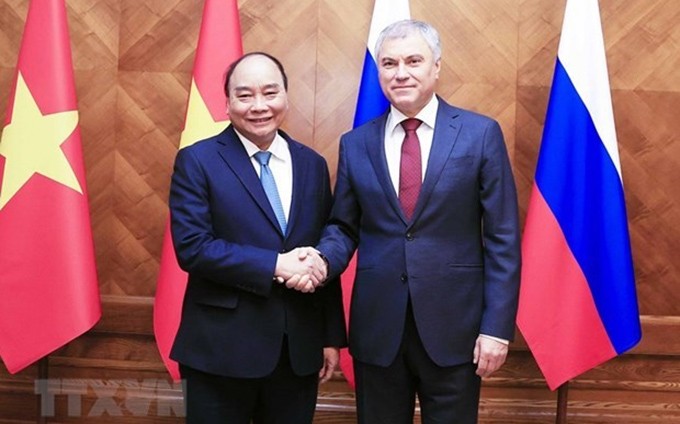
point(402, 29)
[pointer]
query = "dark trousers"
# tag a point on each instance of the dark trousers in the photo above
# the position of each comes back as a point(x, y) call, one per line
point(386, 395)
point(280, 398)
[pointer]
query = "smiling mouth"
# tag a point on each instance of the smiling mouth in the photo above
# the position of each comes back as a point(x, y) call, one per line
point(260, 120)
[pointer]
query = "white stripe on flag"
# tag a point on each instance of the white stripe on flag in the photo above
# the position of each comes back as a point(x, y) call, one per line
point(385, 12)
point(582, 54)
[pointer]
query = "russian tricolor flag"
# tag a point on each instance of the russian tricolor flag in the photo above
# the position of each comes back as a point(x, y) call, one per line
point(578, 306)
point(370, 104)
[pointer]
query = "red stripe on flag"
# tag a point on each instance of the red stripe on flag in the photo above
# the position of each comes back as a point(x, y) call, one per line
point(49, 284)
point(219, 46)
point(569, 338)
point(168, 303)
point(347, 279)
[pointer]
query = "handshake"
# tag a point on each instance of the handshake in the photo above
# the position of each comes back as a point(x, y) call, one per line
point(302, 269)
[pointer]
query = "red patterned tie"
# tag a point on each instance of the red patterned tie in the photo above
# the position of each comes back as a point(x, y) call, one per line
point(410, 170)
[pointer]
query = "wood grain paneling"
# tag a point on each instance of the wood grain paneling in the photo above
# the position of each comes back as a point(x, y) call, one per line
point(133, 62)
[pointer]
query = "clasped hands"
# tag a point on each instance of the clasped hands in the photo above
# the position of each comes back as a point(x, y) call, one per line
point(302, 269)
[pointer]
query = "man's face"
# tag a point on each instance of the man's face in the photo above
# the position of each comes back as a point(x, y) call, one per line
point(257, 101)
point(407, 72)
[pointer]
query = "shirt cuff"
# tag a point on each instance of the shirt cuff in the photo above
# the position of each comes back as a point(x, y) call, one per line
point(498, 339)
point(328, 267)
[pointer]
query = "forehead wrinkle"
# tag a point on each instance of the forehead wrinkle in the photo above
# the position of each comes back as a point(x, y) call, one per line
point(272, 85)
point(410, 40)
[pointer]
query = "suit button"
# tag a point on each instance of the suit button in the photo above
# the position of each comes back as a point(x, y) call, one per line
point(404, 278)
point(409, 237)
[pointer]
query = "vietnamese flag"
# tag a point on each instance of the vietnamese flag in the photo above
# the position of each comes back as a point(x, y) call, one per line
point(578, 306)
point(48, 281)
point(219, 44)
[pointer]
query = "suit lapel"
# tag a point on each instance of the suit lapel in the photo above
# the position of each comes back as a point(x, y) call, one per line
point(236, 157)
point(444, 138)
point(375, 145)
point(300, 171)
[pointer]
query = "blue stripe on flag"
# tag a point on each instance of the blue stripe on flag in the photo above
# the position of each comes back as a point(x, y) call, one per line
point(371, 102)
point(583, 189)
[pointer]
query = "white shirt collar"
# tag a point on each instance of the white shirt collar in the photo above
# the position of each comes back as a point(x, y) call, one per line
point(428, 115)
point(278, 148)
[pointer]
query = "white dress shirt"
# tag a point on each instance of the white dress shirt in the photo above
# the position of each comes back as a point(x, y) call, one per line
point(394, 137)
point(281, 165)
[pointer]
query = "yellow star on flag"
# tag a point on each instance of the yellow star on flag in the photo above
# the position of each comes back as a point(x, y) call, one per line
point(31, 144)
point(199, 123)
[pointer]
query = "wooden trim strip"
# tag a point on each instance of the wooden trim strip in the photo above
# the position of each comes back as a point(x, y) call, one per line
point(134, 315)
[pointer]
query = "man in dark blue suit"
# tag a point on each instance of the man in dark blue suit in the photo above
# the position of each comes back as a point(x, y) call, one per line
point(426, 194)
point(250, 348)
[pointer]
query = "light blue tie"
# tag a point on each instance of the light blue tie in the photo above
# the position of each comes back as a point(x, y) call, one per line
point(269, 185)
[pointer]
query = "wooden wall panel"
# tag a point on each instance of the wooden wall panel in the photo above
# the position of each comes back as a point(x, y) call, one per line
point(342, 35)
point(479, 55)
point(288, 31)
point(157, 41)
point(133, 64)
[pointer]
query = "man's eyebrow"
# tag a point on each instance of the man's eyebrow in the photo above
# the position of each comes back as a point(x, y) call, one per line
point(411, 56)
point(248, 88)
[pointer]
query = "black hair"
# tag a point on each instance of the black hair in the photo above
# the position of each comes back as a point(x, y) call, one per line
point(232, 67)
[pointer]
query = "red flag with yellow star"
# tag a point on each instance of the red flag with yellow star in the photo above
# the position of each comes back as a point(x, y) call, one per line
point(48, 281)
point(219, 44)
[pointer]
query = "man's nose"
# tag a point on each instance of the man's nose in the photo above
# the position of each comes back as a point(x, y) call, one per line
point(402, 72)
point(259, 102)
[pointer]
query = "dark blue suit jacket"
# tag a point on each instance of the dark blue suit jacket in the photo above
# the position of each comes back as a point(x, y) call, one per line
point(458, 259)
point(227, 238)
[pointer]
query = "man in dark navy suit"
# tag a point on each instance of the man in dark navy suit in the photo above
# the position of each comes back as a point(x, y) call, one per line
point(426, 194)
point(250, 348)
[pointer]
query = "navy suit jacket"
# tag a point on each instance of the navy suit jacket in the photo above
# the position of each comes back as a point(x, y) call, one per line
point(458, 258)
point(227, 238)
